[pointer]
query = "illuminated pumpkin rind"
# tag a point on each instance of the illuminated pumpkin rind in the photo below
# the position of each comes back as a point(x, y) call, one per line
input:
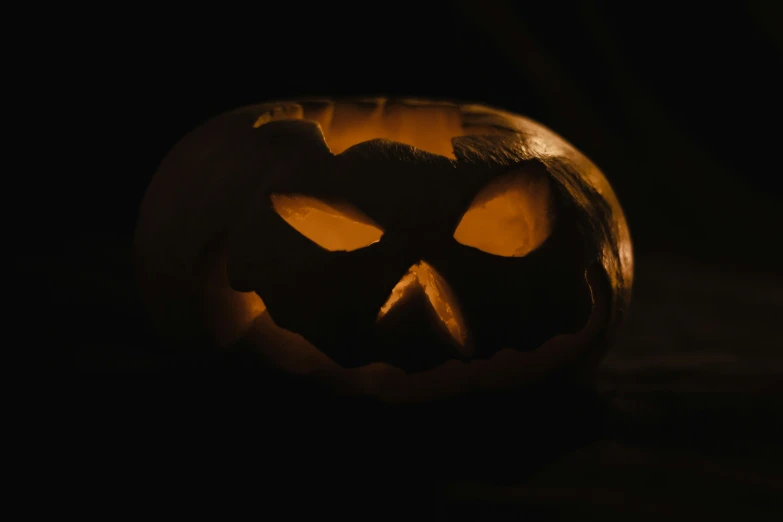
point(412, 173)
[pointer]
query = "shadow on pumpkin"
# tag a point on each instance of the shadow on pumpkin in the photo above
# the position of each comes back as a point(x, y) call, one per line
point(227, 219)
point(497, 436)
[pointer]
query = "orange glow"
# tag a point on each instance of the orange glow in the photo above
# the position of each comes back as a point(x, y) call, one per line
point(331, 226)
point(426, 126)
point(440, 297)
point(510, 217)
point(199, 193)
point(507, 369)
point(398, 291)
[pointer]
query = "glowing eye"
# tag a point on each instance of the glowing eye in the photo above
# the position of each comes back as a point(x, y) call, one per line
point(330, 226)
point(510, 217)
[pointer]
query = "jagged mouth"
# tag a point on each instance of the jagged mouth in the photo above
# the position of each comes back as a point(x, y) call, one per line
point(506, 369)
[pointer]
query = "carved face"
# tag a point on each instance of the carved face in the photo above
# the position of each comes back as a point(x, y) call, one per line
point(408, 249)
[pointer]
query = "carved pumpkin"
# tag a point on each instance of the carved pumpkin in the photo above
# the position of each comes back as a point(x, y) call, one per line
point(402, 249)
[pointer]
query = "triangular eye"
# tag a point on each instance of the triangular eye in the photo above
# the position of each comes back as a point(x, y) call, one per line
point(332, 226)
point(511, 216)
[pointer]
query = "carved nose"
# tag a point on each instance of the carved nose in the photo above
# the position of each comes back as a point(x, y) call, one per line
point(422, 300)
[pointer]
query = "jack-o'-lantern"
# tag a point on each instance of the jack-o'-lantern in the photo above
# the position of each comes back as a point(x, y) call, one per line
point(401, 249)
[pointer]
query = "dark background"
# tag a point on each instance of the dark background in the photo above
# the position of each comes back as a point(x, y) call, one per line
point(678, 104)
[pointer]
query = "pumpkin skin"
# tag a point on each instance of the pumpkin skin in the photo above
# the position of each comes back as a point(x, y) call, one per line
point(219, 265)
